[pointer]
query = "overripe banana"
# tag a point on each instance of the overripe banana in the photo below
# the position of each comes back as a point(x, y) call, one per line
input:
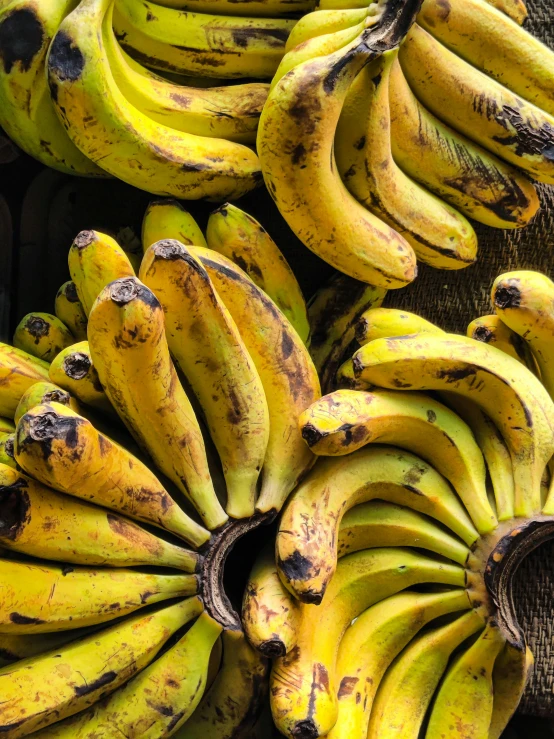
point(42, 335)
point(69, 310)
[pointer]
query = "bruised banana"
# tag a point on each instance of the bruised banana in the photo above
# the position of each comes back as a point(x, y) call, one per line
point(39, 597)
point(509, 677)
point(240, 238)
point(370, 645)
point(130, 352)
point(107, 127)
point(286, 370)
point(477, 183)
point(18, 371)
point(303, 691)
point(41, 393)
point(42, 690)
point(42, 523)
point(306, 563)
point(207, 346)
point(439, 235)
point(72, 369)
point(491, 330)
point(168, 219)
point(69, 309)
point(64, 451)
point(42, 335)
point(478, 106)
point(506, 391)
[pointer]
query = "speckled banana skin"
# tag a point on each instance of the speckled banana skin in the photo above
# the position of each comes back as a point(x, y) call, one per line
point(43, 335)
point(73, 370)
point(491, 330)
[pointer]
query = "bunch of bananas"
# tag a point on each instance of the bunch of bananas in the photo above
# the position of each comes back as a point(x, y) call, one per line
point(389, 124)
point(386, 602)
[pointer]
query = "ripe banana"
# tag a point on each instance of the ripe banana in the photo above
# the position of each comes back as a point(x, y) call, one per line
point(39, 394)
point(491, 330)
point(42, 335)
point(69, 310)
point(40, 691)
point(515, 9)
point(39, 597)
point(478, 184)
point(129, 144)
point(509, 393)
point(303, 692)
point(7, 442)
point(72, 369)
point(257, 8)
point(64, 451)
point(168, 219)
point(383, 323)
point(478, 106)
point(15, 647)
point(372, 642)
point(439, 235)
point(18, 371)
point(347, 420)
point(207, 346)
point(334, 312)
point(406, 690)
point(510, 674)
point(287, 373)
point(243, 240)
point(323, 22)
point(129, 350)
point(307, 539)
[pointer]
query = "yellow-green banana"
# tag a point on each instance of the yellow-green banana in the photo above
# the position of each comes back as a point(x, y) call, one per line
point(69, 310)
point(322, 22)
point(18, 371)
point(7, 444)
point(168, 219)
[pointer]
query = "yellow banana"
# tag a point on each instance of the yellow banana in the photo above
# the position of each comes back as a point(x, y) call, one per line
point(157, 701)
point(42, 335)
point(18, 371)
point(322, 22)
point(6, 426)
point(240, 238)
point(42, 523)
point(372, 642)
point(463, 704)
point(478, 106)
point(382, 323)
point(26, 111)
point(269, 612)
point(7, 457)
point(307, 561)
point(168, 219)
point(515, 9)
point(40, 597)
point(106, 126)
point(257, 8)
point(509, 393)
point(64, 451)
point(229, 709)
point(15, 647)
point(491, 330)
point(495, 44)
point(511, 671)
point(406, 690)
point(41, 393)
point(451, 166)
point(42, 690)
point(129, 350)
point(207, 346)
point(69, 310)
point(303, 691)
point(287, 373)
point(439, 235)
point(334, 313)
point(347, 420)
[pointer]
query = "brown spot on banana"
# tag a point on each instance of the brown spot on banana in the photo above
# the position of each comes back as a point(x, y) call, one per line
point(21, 39)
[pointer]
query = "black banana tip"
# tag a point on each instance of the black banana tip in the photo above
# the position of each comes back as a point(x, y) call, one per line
point(311, 435)
point(507, 296)
point(273, 648)
point(305, 730)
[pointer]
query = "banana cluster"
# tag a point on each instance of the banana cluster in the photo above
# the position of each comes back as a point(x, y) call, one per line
point(385, 600)
point(136, 424)
point(389, 124)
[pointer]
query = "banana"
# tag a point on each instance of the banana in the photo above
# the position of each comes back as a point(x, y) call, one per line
point(42, 335)
point(295, 145)
point(7, 443)
point(478, 184)
point(18, 371)
point(168, 219)
point(42, 523)
point(201, 43)
point(439, 235)
point(129, 350)
point(269, 613)
point(15, 647)
point(69, 310)
point(303, 692)
point(26, 111)
point(510, 394)
point(372, 642)
point(230, 112)
point(72, 369)
point(129, 144)
point(6, 426)
point(491, 330)
point(257, 8)
point(157, 701)
point(40, 597)
point(207, 347)
point(240, 238)
point(42, 690)
point(383, 323)
point(286, 370)
point(478, 106)
point(334, 312)
point(515, 9)
point(322, 22)
point(495, 44)
point(95, 259)
point(307, 538)
point(41, 393)
point(408, 686)
point(231, 706)
point(64, 451)
point(347, 420)
point(463, 703)
point(510, 674)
